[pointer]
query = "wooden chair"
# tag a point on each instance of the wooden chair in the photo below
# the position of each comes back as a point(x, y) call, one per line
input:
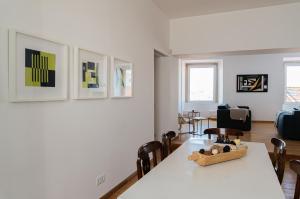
point(233, 132)
point(185, 120)
point(193, 114)
point(225, 131)
point(278, 157)
point(295, 166)
point(212, 131)
point(143, 162)
point(167, 142)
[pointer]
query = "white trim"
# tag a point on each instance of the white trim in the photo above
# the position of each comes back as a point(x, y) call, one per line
point(120, 97)
point(75, 73)
point(180, 86)
point(112, 68)
point(12, 68)
point(201, 64)
point(292, 63)
point(76, 68)
point(291, 59)
point(12, 65)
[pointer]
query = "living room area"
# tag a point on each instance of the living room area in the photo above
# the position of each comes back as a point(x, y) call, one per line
point(256, 92)
point(235, 90)
point(231, 64)
point(232, 76)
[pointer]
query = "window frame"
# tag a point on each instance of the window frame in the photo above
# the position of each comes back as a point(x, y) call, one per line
point(213, 65)
point(286, 65)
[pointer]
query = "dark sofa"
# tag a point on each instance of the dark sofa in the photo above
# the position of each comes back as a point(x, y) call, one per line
point(224, 120)
point(288, 125)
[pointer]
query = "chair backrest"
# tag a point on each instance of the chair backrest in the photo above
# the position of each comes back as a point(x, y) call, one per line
point(143, 161)
point(193, 114)
point(212, 131)
point(295, 166)
point(296, 113)
point(226, 131)
point(233, 132)
point(180, 119)
point(278, 157)
point(167, 142)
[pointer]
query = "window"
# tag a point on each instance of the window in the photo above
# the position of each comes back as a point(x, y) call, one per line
point(292, 83)
point(201, 82)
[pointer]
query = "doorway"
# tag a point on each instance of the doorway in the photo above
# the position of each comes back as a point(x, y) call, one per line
point(166, 89)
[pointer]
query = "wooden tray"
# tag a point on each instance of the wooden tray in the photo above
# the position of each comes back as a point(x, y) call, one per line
point(205, 160)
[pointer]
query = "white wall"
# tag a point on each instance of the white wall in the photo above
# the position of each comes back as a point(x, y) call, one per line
point(166, 95)
point(170, 94)
point(254, 30)
point(56, 149)
point(261, 28)
point(263, 105)
point(206, 109)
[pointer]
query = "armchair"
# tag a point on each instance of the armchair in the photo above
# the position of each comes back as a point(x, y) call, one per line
point(185, 120)
point(225, 121)
point(288, 125)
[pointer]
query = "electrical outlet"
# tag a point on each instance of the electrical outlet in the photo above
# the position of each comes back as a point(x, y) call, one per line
point(100, 180)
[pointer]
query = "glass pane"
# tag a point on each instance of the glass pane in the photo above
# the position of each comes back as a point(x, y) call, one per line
point(293, 84)
point(128, 82)
point(201, 84)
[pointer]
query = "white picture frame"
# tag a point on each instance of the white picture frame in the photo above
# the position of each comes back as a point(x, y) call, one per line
point(121, 78)
point(93, 83)
point(38, 68)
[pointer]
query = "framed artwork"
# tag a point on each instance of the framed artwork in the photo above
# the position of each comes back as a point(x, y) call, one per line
point(122, 78)
point(37, 68)
point(90, 74)
point(252, 83)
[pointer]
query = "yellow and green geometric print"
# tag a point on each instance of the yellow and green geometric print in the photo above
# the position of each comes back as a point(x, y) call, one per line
point(39, 68)
point(90, 78)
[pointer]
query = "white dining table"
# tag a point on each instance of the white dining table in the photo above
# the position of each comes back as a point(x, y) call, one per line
point(251, 177)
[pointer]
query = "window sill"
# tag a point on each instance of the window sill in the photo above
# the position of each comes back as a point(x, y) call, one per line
point(201, 102)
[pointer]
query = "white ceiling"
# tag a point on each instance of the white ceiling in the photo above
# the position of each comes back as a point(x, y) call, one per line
point(187, 8)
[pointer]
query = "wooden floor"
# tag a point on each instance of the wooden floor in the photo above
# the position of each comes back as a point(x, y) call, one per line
point(124, 188)
point(261, 132)
point(289, 182)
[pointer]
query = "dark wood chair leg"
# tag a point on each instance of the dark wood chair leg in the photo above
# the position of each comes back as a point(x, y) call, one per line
point(139, 169)
point(297, 188)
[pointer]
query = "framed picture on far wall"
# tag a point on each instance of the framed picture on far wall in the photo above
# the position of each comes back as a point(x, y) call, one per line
point(37, 68)
point(252, 83)
point(122, 78)
point(90, 74)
